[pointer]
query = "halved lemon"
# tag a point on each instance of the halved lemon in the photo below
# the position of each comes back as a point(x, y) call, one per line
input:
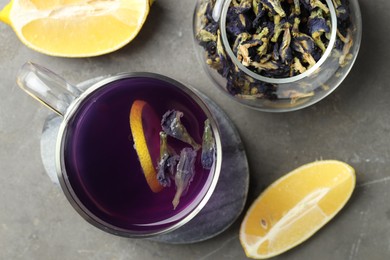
point(296, 206)
point(75, 28)
point(144, 125)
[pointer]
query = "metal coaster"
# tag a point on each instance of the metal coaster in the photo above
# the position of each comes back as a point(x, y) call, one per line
point(228, 199)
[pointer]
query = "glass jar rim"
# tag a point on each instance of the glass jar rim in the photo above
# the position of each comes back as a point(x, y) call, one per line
point(256, 76)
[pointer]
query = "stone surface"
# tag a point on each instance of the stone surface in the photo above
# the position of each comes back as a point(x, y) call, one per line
point(352, 125)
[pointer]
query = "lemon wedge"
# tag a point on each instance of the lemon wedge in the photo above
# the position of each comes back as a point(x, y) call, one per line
point(296, 206)
point(76, 28)
point(143, 125)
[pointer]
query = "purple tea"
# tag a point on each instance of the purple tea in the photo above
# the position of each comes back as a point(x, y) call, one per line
point(102, 165)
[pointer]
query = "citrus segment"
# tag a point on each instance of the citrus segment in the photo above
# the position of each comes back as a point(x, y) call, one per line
point(144, 129)
point(296, 206)
point(76, 28)
point(4, 14)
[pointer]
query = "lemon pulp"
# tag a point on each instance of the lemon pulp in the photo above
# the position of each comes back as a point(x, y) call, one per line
point(76, 28)
point(295, 207)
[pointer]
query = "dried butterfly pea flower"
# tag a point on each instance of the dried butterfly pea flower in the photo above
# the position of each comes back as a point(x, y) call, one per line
point(345, 55)
point(281, 70)
point(342, 10)
point(212, 27)
point(260, 13)
point(317, 26)
point(296, 95)
point(320, 5)
point(312, 4)
point(270, 65)
point(297, 67)
point(242, 37)
point(262, 34)
point(166, 169)
point(262, 50)
point(172, 125)
point(305, 45)
point(336, 3)
point(256, 6)
point(295, 27)
point(227, 66)
point(306, 5)
point(211, 48)
point(267, 90)
point(244, 5)
point(184, 173)
point(237, 21)
point(274, 6)
point(162, 177)
point(278, 28)
point(205, 12)
point(202, 11)
point(275, 52)
point(167, 163)
point(208, 146)
point(285, 50)
point(243, 53)
point(206, 36)
point(297, 8)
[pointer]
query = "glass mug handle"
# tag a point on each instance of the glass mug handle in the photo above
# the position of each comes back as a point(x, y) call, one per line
point(47, 87)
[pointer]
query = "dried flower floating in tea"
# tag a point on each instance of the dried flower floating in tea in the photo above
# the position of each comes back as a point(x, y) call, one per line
point(172, 125)
point(208, 146)
point(274, 39)
point(167, 163)
point(184, 173)
point(181, 168)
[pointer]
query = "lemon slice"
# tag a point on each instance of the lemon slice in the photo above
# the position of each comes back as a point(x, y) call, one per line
point(296, 206)
point(75, 28)
point(144, 125)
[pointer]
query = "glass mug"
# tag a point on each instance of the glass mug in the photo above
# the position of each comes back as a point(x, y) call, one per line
point(98, 167)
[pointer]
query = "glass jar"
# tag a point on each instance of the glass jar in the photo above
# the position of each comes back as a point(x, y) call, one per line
point(264, 83)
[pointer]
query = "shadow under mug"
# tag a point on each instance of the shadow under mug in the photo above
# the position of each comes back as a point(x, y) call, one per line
point(97, 166)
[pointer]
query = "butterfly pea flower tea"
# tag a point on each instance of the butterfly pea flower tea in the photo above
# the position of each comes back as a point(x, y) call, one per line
point(117, 130)
point(278, 55)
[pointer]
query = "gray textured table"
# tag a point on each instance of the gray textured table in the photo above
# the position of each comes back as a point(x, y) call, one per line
point(352, 125)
